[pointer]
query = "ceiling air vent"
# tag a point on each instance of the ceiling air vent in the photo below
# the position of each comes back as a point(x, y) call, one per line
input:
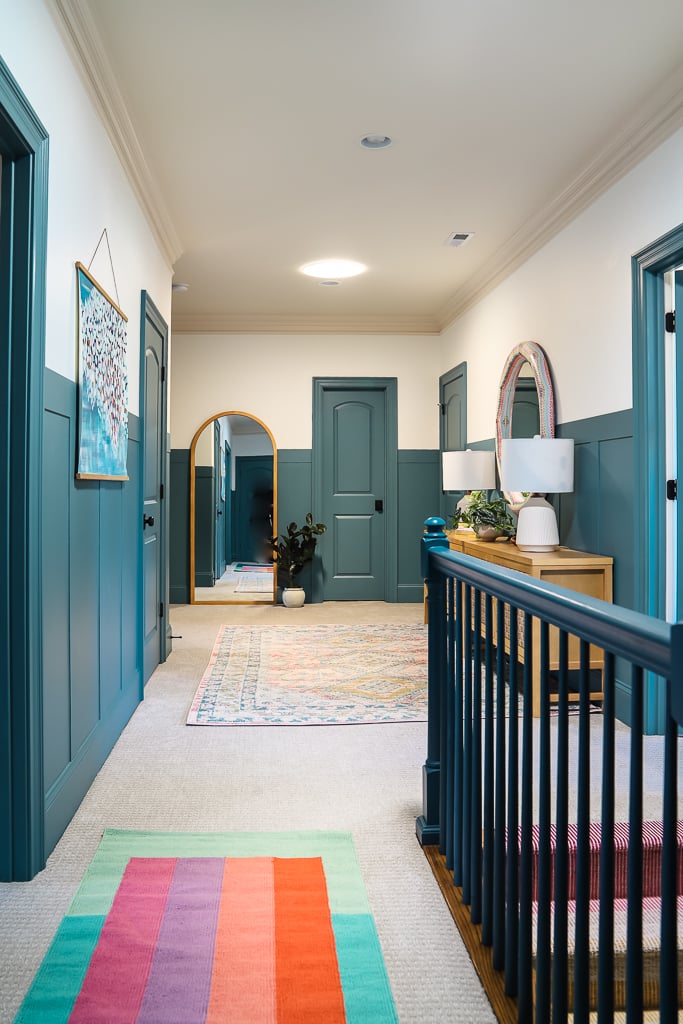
point(457, 238)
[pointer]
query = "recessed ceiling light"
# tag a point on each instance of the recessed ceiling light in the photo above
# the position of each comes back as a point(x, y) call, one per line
point(375, 140)
point(331, 269)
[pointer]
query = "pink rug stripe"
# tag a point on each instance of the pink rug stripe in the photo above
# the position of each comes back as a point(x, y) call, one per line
point(179, 985)
point(115, 982)
point(245, 952)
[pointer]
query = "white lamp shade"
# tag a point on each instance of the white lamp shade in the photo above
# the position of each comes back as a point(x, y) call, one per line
point(468, 470)
point(540, 464)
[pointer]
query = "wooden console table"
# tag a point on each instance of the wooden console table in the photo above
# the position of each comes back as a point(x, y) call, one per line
point(588, 574)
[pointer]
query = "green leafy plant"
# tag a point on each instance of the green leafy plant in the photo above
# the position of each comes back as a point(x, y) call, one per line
point(482, 512)
point(295, 548)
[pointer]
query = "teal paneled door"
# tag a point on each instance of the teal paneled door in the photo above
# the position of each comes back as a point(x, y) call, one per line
point(219, 500)
point(678, 305)
point(253, 519)
point(154, 427)
point(453, 424)
point(353, 467)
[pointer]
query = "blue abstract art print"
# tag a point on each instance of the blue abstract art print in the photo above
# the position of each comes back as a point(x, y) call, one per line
point(102, 383)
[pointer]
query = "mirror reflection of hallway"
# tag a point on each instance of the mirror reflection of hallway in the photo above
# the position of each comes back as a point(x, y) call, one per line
point(233, 511)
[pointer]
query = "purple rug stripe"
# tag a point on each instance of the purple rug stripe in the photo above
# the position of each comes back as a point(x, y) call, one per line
point(179, 985)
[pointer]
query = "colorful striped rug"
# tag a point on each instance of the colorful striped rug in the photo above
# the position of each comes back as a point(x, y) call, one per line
point(182, 928)
point(314, 675)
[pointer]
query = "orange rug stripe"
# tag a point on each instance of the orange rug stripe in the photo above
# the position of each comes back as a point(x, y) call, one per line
point(308, 983)
point(245, 946)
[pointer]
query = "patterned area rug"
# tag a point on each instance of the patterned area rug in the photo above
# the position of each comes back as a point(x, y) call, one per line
point(183, 928)
point(314, 675)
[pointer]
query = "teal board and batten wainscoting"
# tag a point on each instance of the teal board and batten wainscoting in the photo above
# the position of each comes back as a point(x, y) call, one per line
point(598, 516)
point(418, 495)
point(91, 582)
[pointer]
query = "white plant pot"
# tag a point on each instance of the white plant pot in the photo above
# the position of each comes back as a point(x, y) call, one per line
point(293, 597)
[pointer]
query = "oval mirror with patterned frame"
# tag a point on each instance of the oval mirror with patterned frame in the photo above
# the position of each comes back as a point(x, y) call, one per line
point(532, 353)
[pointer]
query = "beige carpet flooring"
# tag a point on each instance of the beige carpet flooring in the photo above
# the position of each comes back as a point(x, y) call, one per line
point(364, 779)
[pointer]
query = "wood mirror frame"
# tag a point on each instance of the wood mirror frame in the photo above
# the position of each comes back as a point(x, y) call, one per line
point(532, 353)
point(193, 452)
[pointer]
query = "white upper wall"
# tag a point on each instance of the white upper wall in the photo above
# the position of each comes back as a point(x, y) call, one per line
point(270, 377)
point(88, 191)
point(574, 298)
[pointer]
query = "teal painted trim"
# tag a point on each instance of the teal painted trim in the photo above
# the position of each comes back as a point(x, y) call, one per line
point(647, 275)
point(149, 311)
point(66, 794)
point(608, 426)
point(294, 492)
point(390, 387)
point(179, 526)
point(90, 586)
point(23, 257)
point(419, 481)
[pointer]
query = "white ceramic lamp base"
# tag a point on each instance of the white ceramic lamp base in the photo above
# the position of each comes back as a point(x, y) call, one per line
point(537, 526)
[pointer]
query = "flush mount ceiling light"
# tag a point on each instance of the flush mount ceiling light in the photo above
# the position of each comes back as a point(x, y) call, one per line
point(332, 269)
point(375, 140)
point(180, 287)
point(328, 284)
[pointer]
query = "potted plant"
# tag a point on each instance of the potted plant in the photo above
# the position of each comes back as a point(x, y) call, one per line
point(293, 550)
point(489, 518)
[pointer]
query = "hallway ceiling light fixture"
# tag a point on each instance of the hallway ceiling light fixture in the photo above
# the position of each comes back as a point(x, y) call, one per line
point(328, 284)
point(333, 269)
point(457, 238)
point(180, 287)
point(375, 140)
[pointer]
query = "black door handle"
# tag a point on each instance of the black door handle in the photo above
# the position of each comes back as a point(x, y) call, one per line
point(147, 521)
point(379, 505)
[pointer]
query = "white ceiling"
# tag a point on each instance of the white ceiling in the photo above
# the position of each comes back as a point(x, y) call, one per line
point(239, 122)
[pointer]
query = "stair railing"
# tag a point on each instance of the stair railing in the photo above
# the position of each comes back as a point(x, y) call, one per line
point(503, 792)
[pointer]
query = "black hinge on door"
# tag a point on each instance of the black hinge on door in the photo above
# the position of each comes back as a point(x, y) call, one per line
point(161, 492)
point(161, 610)
point(670, 322)
point(672, 490)
point(163, 374)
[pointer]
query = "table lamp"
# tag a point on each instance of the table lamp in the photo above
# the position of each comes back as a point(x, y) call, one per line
point(468, 471)
point(540, 465)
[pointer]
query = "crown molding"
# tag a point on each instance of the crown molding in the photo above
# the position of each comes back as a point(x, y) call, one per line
point(85, 45)
point(655, 122)
point(229, 323)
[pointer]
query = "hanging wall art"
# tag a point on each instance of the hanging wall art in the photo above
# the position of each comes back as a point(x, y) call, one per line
point(102, 383)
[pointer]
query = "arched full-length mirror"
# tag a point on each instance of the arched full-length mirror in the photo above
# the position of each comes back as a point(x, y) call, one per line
point(233, 511)
point(526, 402)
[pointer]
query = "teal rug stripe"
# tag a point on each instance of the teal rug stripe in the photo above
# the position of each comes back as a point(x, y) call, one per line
point(346, 890)
point(52, 995)
point(367, 995)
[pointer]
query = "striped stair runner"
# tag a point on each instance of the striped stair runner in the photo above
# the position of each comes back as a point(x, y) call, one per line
point(652, 858)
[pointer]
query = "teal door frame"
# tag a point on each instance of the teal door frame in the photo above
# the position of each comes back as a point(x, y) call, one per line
point(389, 386)
point(648, 268)
point(448, 498)
point(23, 260)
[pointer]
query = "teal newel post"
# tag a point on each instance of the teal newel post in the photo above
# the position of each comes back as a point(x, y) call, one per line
point(427, 825)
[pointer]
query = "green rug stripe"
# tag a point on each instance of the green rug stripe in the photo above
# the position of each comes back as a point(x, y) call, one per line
point(54, 989)
point(367, 995)
point(345, 884)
